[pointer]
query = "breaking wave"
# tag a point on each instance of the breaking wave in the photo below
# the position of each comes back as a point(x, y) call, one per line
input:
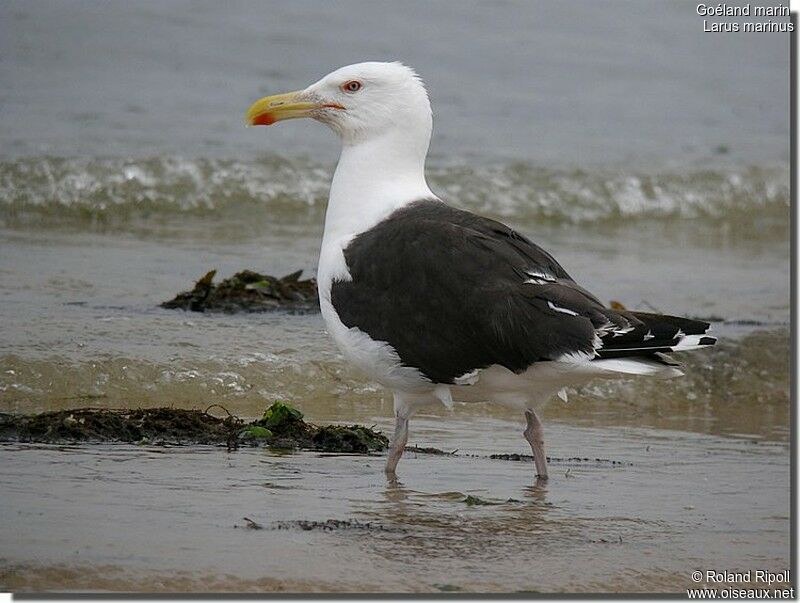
point(52, 191)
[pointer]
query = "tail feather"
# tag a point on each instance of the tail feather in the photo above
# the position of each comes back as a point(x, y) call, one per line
point(640, 365)
point(655, 334)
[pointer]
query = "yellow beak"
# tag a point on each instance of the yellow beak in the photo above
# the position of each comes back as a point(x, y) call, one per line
point(270, 109)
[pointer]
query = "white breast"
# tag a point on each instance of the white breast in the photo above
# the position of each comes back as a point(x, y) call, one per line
point(373, 178)
point(376, 359)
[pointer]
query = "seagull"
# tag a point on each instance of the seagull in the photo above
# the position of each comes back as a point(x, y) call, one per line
point(438, 304)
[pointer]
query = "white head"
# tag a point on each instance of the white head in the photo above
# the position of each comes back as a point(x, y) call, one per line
point(382, 115)
point(359, 102)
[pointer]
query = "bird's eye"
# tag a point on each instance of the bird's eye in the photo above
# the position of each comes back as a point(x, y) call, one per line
point(352, 86)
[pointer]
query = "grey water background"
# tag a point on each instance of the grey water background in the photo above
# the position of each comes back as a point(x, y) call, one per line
point(581, 82)
point(649, 157)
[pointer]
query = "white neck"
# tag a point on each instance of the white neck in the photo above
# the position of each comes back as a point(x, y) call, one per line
point(374, 177)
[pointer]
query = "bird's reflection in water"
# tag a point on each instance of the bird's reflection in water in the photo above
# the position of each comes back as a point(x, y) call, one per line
point(537, 491)
point(424, 521)
point(395, 491)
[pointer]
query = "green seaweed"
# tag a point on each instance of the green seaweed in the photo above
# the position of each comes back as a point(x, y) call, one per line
point(283, 419)
point(257, 432)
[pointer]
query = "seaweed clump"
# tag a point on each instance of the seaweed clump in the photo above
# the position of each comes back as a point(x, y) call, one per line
point(288, 430)
point(249, 291)
point(281, 426)
point(154, 425)
point(350, 438)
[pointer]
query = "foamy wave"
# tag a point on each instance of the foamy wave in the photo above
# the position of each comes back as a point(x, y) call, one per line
point(48, 190)
point(166, 184)
point(578, 196)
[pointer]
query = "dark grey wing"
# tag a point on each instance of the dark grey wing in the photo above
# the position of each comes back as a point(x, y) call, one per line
point(452, 292)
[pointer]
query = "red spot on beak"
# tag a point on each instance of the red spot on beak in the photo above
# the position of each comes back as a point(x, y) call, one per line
point(265, 119)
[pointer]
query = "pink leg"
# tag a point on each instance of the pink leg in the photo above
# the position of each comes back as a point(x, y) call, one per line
point(534, 433)
point(398, 444)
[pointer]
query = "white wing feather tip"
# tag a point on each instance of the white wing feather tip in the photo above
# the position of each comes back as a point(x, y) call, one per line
point(693, 342)
point(622, 331)
point(556, 308)
point(541, 275)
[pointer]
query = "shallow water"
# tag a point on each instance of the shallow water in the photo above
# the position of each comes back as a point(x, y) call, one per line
point(120, 517)
point(82, 326)
point(649, 158)
point(652, 495)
